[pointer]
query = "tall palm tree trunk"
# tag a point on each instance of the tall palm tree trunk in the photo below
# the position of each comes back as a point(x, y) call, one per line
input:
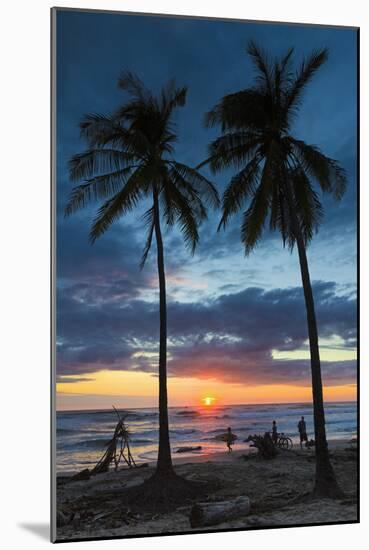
point(164, 464)
point(325, 480)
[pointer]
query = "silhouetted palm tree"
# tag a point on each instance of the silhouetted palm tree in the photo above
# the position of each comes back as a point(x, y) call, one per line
point(278, 177)
point(130, 158)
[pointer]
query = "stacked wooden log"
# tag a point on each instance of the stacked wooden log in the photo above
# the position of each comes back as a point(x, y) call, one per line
point(212, 513)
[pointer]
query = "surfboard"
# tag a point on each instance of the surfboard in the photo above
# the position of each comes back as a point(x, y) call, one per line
point(224, 437)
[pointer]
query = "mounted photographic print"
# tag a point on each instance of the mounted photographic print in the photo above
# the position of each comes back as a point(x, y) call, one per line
point(204, 266)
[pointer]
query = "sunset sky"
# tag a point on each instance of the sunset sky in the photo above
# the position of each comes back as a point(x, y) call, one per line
point(236, 326)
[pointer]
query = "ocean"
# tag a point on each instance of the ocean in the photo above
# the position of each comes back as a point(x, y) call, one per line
point(82, 436)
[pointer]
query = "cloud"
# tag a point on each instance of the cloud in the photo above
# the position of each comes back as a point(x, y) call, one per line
point(231, 338)
point(73, 380)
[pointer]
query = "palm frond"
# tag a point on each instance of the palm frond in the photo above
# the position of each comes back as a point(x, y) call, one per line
point(242, 185)
point(150, 224)
point(169, 212)
point(284, 68)
point(280, 216)
point(97, 188)
point(183, 212)
point(232, 149)
point(98, 130)
point(190, 194)
point(253, 222)
point(115, 207)
point(327, 172)
point(282, 75)
point(167, 142)
point(255, 216)
point(85, 165)
point(247, 110)
point(308, 207)
point(172, 97)
point(262, 64)
point(205, 188)
point(131, 83)
point(306, 72)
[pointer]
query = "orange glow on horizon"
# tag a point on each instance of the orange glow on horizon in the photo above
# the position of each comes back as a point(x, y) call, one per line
point(208, 401)
point(137, 389)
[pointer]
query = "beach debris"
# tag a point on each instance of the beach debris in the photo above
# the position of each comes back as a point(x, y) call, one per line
point(77, 520)
point(83, 475)
point(118, 516)
point(264, 444)
point(63, 518)
point(211, 513)
point(248, 456)
point(188, 449)
point(117, 449)
point(62, 480)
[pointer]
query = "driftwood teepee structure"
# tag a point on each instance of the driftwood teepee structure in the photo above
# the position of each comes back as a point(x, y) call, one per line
point(117, 449)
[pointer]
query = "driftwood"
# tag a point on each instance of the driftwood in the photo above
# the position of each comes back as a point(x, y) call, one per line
point(118, 448)
point(83, 475)
point(264, 444)
point(188, 449)
point(212, 513)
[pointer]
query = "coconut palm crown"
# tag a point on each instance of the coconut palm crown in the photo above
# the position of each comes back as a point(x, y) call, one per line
point(130, 157)
point(257, 142)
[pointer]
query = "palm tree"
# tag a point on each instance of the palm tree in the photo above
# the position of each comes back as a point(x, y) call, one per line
point(130, 158)
point(278, 177)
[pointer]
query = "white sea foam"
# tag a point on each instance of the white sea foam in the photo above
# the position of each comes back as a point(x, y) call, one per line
point(81, 436)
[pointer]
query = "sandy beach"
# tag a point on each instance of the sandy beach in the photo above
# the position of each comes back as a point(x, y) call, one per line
point(278, 490)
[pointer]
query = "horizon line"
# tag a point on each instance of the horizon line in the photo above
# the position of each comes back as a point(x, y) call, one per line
point(203, 406)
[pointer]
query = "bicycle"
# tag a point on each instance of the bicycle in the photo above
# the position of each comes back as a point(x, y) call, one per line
point(283, 442)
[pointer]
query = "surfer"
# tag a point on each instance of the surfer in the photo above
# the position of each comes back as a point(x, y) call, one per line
point(230, 439)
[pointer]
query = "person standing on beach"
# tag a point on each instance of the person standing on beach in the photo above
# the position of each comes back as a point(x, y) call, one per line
point(302, 431)
point(274, 432)
point(229, 439)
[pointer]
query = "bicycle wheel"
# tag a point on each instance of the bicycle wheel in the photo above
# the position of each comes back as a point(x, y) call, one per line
point(289, 443)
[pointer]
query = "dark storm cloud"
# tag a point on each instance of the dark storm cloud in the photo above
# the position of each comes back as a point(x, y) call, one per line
point(112, 263)
point(230, 338)
point(238, 364)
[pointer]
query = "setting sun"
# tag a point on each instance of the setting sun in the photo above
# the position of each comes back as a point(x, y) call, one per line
point(208, 401)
